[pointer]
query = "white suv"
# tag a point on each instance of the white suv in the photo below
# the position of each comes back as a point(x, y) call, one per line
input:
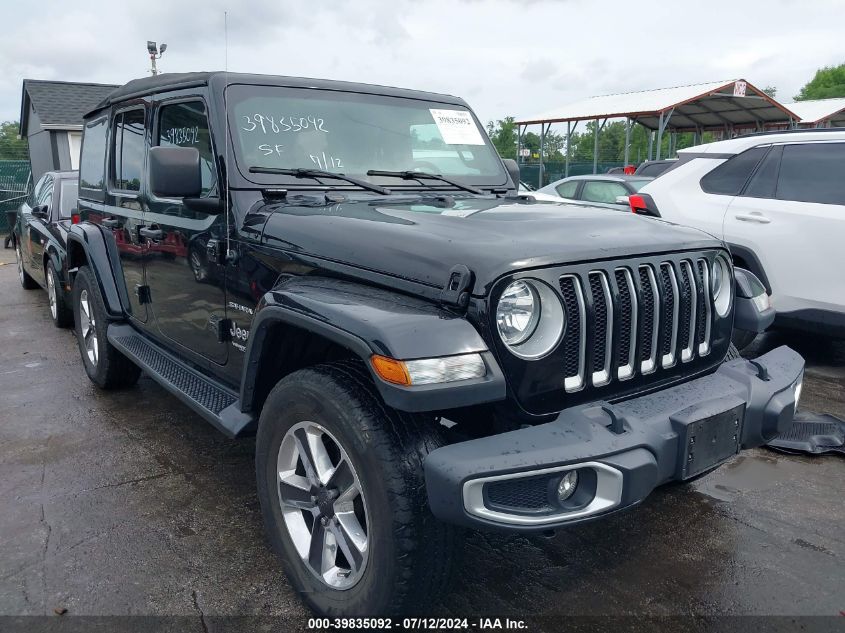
point(778, 200)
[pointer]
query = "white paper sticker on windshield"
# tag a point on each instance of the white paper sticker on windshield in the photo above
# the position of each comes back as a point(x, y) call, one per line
point(457, 127)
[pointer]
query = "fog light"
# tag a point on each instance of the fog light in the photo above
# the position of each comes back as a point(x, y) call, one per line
point(568, 484)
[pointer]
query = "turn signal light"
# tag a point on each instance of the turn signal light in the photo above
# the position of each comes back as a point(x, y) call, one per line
point(75, 218)
point(391, 370)
point(429, 371)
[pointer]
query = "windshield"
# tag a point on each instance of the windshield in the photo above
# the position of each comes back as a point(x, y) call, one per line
point(351, 133)
point(70, 194)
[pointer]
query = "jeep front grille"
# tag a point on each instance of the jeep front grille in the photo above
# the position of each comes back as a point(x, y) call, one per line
point(634, 318)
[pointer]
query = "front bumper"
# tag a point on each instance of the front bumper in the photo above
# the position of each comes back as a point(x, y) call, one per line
point(622, 451)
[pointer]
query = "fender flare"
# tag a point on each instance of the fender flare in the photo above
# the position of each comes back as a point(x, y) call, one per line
point(752, 263)
point(368, 320)
point(86, 243)
point(53, 256)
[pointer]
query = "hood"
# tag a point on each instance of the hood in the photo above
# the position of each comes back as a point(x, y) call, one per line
point(421, 239)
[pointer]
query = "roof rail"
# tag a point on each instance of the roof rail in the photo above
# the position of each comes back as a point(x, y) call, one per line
point(793, 131)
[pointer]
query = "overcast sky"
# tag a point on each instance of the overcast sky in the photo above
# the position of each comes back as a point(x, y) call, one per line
point(505, 57)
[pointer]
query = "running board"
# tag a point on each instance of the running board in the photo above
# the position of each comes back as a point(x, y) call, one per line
point(213, 401)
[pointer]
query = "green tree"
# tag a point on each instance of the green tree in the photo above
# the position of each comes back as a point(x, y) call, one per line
point(12, 147)
point(503, 134)
point(552, 149)
point(772, 91)
point(828, 82)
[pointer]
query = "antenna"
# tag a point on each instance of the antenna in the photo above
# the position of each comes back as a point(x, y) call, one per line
point(227, 138)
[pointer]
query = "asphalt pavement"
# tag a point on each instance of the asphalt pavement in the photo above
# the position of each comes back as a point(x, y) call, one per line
point(127, 503)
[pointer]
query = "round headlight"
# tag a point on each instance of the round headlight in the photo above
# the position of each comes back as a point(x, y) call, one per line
point(722, 286)
point(529, 318)
point(518, 313)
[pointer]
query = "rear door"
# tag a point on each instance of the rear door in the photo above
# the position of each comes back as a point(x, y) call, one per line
point(568, 189)
point(37, 232)
point(792, 215)
point(26, 219)
point(187, 283)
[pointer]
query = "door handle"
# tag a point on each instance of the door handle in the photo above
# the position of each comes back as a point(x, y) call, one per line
point(759, 218)
point(109, 223)
point(149, 233)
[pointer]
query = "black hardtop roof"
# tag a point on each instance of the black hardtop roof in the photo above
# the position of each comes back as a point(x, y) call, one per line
point(177, 81)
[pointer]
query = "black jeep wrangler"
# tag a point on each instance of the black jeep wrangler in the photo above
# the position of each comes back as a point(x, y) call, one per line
point(348, 272)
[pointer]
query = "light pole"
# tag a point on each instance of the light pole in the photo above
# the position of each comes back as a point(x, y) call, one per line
point(155, 54)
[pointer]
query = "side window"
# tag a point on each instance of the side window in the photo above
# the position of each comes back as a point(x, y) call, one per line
point(45, 194)
point(36, 191)
point(813, 173)
point(186, 125)
point(764, 180)
point(93, 160)
point(601, 191)
point(567, 189)
point(730, 177)
point(69, 198)
point(128, 150)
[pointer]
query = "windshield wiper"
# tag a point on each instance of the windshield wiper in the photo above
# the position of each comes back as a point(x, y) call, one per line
point(301, 172)
point(419, 175)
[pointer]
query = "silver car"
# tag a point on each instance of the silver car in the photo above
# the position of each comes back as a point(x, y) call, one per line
point(604, 190)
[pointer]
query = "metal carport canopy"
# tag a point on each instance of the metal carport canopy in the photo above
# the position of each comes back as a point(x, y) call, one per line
point(697, 107)
point(820, 112)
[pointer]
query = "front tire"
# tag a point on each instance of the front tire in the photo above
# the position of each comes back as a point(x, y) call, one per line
point(742, 338)
point(104, 364)
point(733, 353)
point(60, 311)
point(394, 555)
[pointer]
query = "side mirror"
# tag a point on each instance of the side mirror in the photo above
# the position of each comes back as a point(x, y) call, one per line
point(622, 200)
point(40, 211)
point(513, 171)
point(174, 172)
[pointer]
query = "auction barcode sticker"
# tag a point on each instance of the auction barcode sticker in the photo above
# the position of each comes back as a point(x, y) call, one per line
point(457, 127)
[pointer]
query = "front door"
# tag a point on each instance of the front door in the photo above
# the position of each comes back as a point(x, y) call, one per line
point(187, 284)
point(122, 214)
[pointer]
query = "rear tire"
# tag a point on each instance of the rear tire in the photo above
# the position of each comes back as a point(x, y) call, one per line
point(105, 365)
point(27, 282)
point(408, 553)
point(59, 309)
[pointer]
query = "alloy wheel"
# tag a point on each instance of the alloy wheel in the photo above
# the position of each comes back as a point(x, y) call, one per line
point(20, 262)
point(323, 505)
point(87, 327)
point(51, 293)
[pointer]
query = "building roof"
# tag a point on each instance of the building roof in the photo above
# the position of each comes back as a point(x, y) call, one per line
point(819, 110)
point(60, 104)
point(172, 81)
point(710, 105)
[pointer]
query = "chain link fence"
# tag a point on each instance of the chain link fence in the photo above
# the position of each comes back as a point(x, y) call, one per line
point(530, 172)
point(15, 186)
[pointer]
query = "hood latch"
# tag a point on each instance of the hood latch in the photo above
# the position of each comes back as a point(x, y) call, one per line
point(458, 287)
